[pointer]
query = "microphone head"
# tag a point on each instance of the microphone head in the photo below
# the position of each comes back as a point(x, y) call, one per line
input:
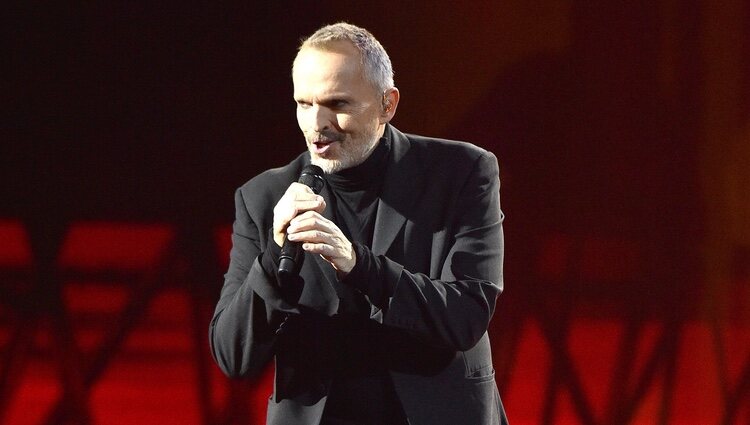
point(312, 169)
point(312, 176)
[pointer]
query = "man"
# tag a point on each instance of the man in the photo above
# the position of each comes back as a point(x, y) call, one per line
point(387, 321)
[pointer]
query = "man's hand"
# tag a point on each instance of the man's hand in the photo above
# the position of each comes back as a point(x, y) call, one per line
point(319, 235)
point(297, 199)
point(297, 216)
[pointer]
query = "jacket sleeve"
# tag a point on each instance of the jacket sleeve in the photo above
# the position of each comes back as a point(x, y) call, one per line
point(455, 308)
point(251, 306)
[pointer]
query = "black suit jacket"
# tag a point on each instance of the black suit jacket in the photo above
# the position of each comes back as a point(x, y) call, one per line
point(431, 278)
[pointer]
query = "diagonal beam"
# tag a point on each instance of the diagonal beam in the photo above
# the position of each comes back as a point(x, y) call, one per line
point(75, 392)
point(655, 360)
point(555, 332)
point(623, 369)
point(133, 312)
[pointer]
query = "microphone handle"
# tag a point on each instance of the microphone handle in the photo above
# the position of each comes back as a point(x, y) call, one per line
point(291, 252)
point(289, 258)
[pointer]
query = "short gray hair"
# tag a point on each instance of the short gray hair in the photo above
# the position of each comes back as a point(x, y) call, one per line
point(375, 61)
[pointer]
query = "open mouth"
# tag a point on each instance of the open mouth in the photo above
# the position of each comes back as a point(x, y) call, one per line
point(323, 145)
point(324, 141)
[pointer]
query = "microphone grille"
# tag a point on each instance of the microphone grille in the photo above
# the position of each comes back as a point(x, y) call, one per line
point(312, 176)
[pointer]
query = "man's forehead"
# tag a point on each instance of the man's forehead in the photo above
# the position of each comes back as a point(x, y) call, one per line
point(337, 67)
point(314, 64)
point(343, 51)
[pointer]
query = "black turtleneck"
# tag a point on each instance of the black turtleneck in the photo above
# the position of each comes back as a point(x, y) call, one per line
point(356, 191)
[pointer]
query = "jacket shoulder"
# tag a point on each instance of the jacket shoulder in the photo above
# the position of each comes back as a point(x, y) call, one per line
point(449, 154)
point(271, 184)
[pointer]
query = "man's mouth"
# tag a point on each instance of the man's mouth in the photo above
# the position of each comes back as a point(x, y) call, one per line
point(322, 144)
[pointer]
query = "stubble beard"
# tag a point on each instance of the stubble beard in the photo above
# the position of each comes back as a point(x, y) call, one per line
point(351, 152)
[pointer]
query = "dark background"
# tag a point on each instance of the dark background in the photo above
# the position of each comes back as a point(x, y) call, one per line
point(622, 134)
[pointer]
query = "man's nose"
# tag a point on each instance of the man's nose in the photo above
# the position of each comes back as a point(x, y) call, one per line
point(321, 118)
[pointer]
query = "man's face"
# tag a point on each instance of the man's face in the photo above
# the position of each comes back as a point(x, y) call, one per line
point(338, 110)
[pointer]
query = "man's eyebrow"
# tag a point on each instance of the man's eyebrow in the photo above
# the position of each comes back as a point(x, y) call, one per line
point(338, 95)
point(335, 99)
point(327, 101)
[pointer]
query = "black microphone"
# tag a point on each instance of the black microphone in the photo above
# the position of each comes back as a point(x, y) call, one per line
point(290, 259)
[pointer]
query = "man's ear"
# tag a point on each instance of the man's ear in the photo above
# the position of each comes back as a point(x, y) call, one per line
point(390, 103)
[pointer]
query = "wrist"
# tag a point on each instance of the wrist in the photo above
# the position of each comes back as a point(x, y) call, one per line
point(348, 265)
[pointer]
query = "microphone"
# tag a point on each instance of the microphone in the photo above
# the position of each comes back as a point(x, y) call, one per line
point(290, 259)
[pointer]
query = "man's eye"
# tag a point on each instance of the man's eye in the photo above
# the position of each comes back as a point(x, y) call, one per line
point(303, 105)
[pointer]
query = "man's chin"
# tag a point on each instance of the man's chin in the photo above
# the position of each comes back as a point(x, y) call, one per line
point(328, 165)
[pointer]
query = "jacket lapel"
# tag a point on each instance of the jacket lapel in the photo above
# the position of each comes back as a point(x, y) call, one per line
point(404, 171)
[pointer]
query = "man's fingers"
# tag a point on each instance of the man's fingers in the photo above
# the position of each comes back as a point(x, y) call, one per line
point(311, 219)
point(286, 211)
point(300, 188)
point(310, 236)
point(309, 205)
point(321, 236)
point(297, 199)
point(327, 251)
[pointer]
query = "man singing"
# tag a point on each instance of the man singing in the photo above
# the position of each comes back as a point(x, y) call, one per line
point(384, 317)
